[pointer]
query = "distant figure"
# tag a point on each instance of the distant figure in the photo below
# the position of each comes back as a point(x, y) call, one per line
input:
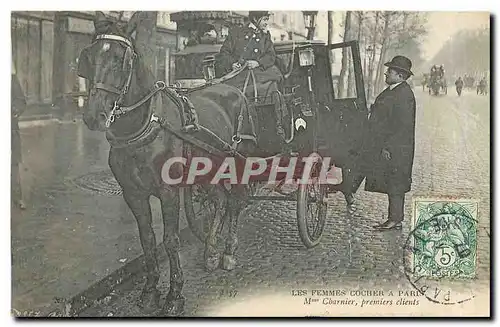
point(459, 84)
point(441, 71)
point(18, 105)
point(482, 87)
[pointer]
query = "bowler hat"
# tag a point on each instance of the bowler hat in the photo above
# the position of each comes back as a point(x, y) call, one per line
point(400, 63)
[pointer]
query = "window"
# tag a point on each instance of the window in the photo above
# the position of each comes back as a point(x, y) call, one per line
point(343, 76)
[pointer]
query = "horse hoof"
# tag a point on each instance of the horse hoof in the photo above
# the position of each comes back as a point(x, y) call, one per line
point(174, 307)
point(150, 300)
point(212, 262)
point(228, 262)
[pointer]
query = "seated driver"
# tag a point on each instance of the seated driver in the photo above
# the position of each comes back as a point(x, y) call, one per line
point(250, 44)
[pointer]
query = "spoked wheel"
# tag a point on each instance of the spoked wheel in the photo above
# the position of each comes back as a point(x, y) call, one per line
point(311, 210)
point(199, 205)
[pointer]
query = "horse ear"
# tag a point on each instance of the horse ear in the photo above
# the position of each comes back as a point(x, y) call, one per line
point(99, 17)
point(101, 22)
point(132, 24)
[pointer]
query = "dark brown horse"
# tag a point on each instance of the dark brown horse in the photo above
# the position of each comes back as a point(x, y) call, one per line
point(145, 124)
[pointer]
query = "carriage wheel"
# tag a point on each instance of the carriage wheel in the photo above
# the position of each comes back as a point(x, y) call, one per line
point(200, 210)
point(311, 211)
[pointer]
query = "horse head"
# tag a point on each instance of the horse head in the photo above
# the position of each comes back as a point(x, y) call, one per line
point(110, 64)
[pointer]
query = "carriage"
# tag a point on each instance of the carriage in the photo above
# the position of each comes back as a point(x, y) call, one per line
point(437, 82)
point(319, 118)
point(150, 125)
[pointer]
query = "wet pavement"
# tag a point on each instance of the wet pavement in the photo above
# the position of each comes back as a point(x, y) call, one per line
point(77, 228)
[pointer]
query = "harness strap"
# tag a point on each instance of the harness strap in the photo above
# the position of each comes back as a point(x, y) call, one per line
point(158, 86)
point(198, 143)
point(115, 38)
point(192, 123)
point(108, 88)
point(251, 74)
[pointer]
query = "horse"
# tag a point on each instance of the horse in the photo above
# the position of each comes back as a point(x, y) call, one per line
point(122, 103)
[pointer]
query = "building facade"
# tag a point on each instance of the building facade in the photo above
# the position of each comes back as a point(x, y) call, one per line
point(46, 46)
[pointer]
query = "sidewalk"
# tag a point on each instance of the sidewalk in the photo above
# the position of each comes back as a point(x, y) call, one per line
point(77, 228)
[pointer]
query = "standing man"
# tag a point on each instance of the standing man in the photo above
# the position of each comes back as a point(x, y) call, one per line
point(386, 158)
point(459, 84)
point(18, 105)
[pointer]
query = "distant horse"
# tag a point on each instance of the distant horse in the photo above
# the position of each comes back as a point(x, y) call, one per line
point(142, 137)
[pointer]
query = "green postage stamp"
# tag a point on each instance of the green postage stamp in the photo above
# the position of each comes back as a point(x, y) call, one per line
point(444, 237)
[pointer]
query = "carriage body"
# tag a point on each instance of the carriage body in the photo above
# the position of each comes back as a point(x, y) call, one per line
point(326, 116)
point(323, 116)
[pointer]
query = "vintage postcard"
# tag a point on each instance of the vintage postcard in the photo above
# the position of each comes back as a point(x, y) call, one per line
point(227, 163)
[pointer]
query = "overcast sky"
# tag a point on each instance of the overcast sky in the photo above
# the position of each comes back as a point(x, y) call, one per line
point(442, 25)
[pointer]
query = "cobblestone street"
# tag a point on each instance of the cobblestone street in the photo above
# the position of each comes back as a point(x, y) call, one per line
point(452, 159)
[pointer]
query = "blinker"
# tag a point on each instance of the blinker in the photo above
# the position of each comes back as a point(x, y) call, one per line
point(84, 64)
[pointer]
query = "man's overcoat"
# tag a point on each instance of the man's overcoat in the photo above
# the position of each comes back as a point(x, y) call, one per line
point(391, 126)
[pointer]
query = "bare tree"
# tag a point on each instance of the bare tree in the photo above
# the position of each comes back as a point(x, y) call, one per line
point(330, 27)
point(387, 16)
point(374, 30)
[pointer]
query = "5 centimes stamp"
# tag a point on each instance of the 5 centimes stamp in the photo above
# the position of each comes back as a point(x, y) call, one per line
point(440, 251)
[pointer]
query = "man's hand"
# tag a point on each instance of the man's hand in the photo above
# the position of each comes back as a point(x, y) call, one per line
point(386, 154)
point(252, 64)
point(236, 65)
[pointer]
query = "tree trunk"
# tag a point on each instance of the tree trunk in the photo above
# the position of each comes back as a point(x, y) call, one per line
point(371, 60)
point(330, 27)
point(380, 69)
point(360, 24)
point(383, 52)
point(146, 38)
point(345, 54)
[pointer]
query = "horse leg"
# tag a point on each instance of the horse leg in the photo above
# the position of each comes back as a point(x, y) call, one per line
point(235, 206)
point(139, 204)
point(170, 210)
point(211, 256)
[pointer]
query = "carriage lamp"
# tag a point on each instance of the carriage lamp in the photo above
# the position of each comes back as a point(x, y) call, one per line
point(306, 57)
point(310, 23)
point(209, 68)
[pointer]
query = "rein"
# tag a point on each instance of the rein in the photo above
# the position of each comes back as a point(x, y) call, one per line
point(183, 104)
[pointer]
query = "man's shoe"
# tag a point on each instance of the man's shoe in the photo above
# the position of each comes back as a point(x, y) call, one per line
point(349, 198)
point(389, 224)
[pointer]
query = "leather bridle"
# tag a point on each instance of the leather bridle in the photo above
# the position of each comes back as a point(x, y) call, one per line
point(128, 63)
